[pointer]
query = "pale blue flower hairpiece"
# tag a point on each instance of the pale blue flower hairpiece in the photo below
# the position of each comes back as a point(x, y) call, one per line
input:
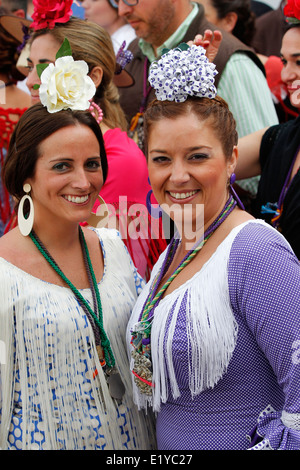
point(182, 72)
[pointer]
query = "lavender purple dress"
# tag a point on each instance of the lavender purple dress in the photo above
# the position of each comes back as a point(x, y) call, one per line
point(226, 349)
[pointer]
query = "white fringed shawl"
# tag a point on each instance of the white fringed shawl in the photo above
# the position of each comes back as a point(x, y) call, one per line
point(210, 327)
point(43, 328)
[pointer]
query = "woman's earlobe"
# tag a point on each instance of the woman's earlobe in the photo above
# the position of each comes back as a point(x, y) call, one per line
point(233, 160)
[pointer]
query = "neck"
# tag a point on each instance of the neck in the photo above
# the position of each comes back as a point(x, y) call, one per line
point(191, 233)
point(117, 24)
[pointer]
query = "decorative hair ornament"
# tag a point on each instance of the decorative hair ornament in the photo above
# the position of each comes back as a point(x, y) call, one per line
point(26, 36)
point(182, 72)
point(65, 84)
point(292, 11)
point(49, 12)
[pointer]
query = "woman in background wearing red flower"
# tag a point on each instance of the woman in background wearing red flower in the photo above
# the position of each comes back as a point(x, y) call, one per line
point(49, 12)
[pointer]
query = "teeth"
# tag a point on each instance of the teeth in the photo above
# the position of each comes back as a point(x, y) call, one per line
point(182, 195)
point(77, 199)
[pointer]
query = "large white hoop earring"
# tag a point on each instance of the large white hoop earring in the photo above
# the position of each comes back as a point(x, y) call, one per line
point(25, 224)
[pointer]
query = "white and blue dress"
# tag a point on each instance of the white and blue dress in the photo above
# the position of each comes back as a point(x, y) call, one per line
point(53, 393)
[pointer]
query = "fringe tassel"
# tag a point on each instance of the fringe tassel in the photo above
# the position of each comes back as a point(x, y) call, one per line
point(211, 329)
point(50, 345)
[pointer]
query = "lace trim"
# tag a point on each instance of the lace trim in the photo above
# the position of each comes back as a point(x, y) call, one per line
point(291, 420)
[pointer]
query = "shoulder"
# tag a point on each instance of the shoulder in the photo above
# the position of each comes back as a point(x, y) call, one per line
point(110, 240)
point(13, 246)
point(284, 130)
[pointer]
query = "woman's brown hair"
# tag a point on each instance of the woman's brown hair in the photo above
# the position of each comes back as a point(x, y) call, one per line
point(91, 43)
point(34, 126)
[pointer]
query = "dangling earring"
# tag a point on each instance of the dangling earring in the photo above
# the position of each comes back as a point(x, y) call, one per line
point(231, 182)
point(155, 212)
point(100, 218)
point(25, 223)
point(94, 106)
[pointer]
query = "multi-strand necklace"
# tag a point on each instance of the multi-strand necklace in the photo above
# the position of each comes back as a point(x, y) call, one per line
point(95, 316)
point(141, 336)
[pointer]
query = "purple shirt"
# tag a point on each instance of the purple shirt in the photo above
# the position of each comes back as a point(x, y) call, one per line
point(264, 370)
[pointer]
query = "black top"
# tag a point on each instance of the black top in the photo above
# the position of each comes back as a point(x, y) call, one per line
point(279, 146)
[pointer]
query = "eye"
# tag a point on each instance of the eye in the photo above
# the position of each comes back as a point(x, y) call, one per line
point(62, 166)
point(284, 61)
point(199, 156)
point(160, 159)
point(29, 68)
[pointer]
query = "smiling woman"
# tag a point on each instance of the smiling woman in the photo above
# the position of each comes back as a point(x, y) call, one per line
point(193, 169)
point(210, 333)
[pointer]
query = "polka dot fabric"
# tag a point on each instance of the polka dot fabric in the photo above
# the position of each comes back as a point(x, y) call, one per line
point(95, 438)
point(263, 279)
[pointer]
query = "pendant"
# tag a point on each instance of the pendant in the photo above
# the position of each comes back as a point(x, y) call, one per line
point(142, 370)
point(115, 384)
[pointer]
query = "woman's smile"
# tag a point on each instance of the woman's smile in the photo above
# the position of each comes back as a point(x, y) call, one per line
point(182, 196)
point(77, 199)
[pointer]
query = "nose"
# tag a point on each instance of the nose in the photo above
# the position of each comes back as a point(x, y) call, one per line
point(32, 79)
point(124, 9)
point(81, 180)
point(179, 173)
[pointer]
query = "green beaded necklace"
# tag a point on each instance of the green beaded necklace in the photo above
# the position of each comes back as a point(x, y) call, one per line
point(98, 319)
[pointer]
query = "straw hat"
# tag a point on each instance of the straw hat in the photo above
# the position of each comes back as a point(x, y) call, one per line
point(14, 25)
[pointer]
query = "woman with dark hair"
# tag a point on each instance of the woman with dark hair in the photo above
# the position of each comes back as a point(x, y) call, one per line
point(66, 293)
point(13, 100)
point(234, 16)
point(274, 154)
point(91, 43)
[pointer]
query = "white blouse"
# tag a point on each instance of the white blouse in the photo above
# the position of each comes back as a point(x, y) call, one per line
point(50, 369)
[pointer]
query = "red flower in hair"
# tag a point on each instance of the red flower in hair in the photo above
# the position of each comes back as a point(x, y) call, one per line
point(292, 9)
point(48, 12)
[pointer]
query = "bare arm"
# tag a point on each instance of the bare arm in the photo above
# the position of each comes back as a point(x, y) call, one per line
point(248, 164)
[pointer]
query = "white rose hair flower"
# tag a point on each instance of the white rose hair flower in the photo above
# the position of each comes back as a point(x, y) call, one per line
point(182, 72)
point(65, 84)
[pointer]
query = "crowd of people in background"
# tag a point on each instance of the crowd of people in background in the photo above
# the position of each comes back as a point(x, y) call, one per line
point(149, 224)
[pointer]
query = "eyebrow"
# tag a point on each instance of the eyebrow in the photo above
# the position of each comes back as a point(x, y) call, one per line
point(189, 149)
point(66, 159)
point(296, 54)
point(41, 61)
